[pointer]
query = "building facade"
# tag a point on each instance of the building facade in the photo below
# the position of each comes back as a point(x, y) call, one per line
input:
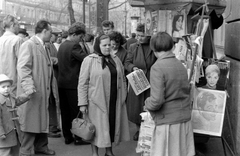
point(124, 16)
point(28, 12)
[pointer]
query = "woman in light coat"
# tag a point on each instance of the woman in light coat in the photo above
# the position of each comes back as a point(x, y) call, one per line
point(102, 94)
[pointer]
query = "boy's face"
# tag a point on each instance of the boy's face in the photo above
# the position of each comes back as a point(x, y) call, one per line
point(140, 36)
point(5, 88)
point(107, 30)
point(212, 79)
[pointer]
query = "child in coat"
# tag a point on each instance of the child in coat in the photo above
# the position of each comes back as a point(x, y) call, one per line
point(9, 143)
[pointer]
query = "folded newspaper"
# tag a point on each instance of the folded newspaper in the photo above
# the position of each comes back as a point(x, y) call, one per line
point(146, 132)
point(138, 81)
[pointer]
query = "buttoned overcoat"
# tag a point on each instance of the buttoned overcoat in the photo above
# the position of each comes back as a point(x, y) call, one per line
point(7, 125)
point(141, 56)
point(94, 92)
point(35, 72)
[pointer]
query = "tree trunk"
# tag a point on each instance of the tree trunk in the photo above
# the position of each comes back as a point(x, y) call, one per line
point(71, 12)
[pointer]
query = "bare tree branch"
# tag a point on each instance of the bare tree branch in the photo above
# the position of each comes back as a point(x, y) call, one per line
point(71, 12)
point(117, 5)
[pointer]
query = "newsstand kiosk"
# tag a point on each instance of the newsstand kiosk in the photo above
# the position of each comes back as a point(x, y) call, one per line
point(198, 19)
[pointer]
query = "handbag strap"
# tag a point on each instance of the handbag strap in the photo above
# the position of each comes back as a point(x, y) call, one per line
point(78, 114)
point(85, 116)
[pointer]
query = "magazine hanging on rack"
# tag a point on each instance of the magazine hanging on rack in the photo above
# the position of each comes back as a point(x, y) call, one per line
point(221, 77)
point(208, 111)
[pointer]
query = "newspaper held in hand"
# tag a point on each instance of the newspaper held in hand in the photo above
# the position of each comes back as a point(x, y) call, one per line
point(138, 81)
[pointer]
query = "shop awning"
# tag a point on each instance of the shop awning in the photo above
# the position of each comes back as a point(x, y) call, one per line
point(190, 5)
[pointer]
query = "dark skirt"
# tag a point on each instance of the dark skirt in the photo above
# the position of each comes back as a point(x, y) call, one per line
point(113, 100)
point(135, 105)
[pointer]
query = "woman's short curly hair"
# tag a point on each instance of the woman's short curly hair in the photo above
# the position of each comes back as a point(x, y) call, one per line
point(117, 37)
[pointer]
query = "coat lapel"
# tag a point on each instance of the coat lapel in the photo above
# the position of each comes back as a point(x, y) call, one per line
point(141, 52)
point(40, 47)
point(149, 52)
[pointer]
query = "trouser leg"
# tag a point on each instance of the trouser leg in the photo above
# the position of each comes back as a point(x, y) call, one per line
point(41, 142)
point(27, 144)
point(65, 113)
point(73, 106)
point(53, 121)
point(15, 150)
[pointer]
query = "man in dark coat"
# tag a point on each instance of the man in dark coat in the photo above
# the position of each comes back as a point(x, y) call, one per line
point(70, 57)
point(130, 41)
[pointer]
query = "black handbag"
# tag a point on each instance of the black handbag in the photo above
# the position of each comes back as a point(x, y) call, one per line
point(83, 128)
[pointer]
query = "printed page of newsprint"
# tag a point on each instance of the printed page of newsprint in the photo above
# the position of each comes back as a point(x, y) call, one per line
point(138, 81)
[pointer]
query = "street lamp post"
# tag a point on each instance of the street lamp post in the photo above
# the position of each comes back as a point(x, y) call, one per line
point(83, 11)
point(125, 19)
point(89, 15)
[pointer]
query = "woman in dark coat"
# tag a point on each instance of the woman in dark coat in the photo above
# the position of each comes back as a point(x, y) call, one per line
point(140, 56)
point(117, 40)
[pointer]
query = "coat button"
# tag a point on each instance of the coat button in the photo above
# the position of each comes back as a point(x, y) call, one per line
point(49, 65)
point(47, 88)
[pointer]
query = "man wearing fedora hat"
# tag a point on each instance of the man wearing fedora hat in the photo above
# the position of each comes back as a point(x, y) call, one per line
point(23, 34)
point(9, 48)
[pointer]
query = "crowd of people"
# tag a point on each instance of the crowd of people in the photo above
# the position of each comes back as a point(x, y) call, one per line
point(50, 77)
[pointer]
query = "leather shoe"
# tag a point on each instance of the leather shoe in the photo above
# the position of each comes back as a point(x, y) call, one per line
point(108, 155)
point(68, 140)
point(56, 130)
point(199, 153)
point(54, 135)
point(46, 152)
point(80, 142)
point(136, 135)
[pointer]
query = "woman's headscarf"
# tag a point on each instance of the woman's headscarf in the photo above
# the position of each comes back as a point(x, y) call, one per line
point(98, 51)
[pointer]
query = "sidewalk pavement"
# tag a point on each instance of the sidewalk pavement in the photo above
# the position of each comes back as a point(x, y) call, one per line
point(213, 147)
point(123, 149)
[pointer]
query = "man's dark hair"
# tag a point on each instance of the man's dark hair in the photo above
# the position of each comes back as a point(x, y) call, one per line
point(140, 28)
point(107, 23)
point(133, 35)
point(77, 28)
point(41, 25)
point(89, 37)
point(64, 34)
